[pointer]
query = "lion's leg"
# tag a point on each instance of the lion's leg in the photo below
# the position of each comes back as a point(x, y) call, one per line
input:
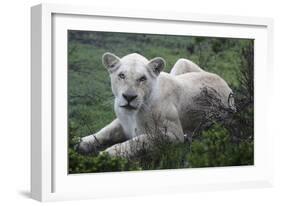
point(130, 147)
point(144, 142)
point(183, 66)
point(109, 135)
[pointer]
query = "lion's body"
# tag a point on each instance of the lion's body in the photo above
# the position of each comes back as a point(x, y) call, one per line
point(169, 103)
point(183, 92)
point(174, 97)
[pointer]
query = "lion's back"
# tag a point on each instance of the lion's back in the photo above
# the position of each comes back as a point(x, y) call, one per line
point(198, 81)
point(189, 85)
point(192, 94)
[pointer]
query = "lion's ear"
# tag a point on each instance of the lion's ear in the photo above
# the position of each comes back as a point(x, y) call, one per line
point(156, 65)
point(110, 61)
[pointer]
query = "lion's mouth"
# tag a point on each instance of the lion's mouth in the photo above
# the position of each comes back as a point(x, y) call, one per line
point(129, 107)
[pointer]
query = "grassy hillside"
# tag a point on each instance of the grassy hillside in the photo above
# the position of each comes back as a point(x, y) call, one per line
point(90, 100)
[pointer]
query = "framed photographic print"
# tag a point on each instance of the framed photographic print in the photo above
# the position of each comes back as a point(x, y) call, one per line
point(137, 102)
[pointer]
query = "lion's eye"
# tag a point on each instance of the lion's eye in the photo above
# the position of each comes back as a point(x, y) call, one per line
point(142, 79)
point(121, 76)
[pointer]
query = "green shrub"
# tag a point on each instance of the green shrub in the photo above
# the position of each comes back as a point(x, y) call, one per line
point(216, 148)
point(164, 156)
point(101, 163)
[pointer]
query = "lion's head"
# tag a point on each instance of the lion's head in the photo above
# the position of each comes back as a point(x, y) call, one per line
point(132, 78)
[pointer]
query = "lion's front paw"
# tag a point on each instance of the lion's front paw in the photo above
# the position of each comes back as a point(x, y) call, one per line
point(111, 151)
point(117, 151)
point(85, 148)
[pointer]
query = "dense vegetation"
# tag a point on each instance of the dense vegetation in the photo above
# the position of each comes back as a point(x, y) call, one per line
point(227, 142)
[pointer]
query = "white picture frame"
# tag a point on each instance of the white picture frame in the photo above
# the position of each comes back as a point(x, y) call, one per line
point(49, 178)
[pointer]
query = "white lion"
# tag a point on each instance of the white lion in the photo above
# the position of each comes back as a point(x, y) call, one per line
point(148, 99)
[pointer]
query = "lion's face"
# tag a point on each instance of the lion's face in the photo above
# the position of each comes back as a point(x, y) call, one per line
point(132, 79)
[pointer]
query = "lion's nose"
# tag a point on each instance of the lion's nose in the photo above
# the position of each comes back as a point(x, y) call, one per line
point(129, 97)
